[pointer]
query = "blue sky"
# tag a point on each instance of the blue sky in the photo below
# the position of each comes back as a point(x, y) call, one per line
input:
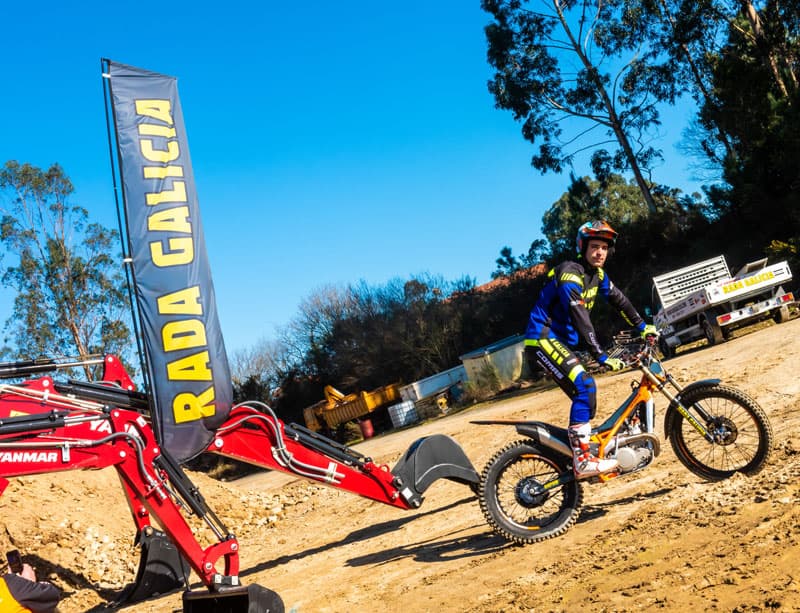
point(331, 142)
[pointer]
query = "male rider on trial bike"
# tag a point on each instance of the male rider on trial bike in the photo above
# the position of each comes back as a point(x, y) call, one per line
point(560, 319)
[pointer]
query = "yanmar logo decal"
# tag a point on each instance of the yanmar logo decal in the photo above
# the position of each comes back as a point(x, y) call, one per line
point(28, 456)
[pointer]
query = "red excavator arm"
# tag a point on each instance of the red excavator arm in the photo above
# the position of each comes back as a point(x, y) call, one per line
point(252, 433)
point(49, 426)
point(46, 428)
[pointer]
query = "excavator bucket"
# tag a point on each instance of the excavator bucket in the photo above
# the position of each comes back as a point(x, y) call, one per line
point(431, 458)
point(242, 599)
point(162, 569)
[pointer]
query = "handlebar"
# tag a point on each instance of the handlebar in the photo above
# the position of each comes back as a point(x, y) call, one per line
point(646, 351)
point(632, 351)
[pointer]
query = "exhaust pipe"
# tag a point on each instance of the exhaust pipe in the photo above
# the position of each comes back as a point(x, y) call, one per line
point(552, 437)
point(539, 432)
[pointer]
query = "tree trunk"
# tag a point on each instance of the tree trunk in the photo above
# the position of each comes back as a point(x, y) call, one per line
point(768, 57)
point(81, 346)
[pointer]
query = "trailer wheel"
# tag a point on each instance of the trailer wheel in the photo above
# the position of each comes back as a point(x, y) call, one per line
point(713, 331)
point(666, 350)
point(781, 315)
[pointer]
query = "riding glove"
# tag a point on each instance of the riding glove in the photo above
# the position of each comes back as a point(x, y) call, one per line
point(613, 363)
point(648, 330)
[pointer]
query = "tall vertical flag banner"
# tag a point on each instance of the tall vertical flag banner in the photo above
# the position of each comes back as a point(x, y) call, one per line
point(191, 390)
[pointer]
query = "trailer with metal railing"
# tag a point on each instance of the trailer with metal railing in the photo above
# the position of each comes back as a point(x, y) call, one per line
point(704, 300)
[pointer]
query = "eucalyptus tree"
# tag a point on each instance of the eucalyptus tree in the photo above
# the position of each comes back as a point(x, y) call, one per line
point(574, 73)
point(756, 100)
point(70, 298)
point(773, 29)
point(616, 200)
point(684, 37)
point(692, 39)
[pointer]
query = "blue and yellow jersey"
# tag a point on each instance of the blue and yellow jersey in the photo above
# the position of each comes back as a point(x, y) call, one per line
point(563, 308)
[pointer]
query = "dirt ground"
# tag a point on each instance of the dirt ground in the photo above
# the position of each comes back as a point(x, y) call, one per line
point(661, 538)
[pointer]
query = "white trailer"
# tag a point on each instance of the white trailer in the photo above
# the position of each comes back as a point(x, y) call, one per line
point(704, 300)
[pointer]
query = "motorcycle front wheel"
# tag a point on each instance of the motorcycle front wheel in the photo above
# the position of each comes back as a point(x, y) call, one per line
point(741, 431)
point(513, 500)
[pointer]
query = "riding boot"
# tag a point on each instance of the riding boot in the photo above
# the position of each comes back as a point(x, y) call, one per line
point(584, 463)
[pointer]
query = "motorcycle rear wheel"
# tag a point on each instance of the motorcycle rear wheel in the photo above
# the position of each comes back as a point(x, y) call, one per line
point(742, 432)
point(513, 502)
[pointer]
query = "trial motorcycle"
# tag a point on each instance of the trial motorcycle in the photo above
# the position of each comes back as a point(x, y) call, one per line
point(528, 491)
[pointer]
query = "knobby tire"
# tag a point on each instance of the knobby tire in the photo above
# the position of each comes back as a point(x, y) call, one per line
point(745, 434)
point(506, 509)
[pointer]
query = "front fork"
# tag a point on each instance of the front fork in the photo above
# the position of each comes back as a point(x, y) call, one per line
point(677, 405)
point(660, 383)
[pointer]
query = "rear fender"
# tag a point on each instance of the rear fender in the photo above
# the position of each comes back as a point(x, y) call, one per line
point(671, 413)
point(541, 433)
point(428, 459)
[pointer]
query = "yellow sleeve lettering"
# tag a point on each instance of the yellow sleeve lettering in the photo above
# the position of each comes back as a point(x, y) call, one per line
point(157, 109)
point(170, 220)
point(162, 172)
point(151, 154)
point(176, 194)
point(151, 129)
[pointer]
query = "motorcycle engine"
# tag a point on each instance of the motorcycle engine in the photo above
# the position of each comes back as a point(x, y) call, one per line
point(633, 458)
